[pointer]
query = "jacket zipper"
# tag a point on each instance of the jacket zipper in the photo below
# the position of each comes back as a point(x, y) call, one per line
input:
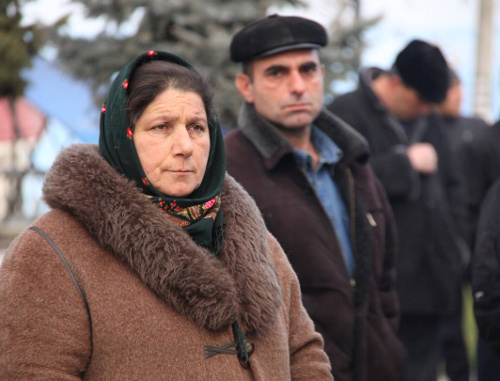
point(352, 218)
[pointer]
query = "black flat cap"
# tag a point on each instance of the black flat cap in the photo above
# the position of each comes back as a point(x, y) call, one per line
point(276, 34)
point(423, 67)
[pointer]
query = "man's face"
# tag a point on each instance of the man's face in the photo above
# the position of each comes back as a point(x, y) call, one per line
point(450, 107)
point(285, 88)
point(407, 103)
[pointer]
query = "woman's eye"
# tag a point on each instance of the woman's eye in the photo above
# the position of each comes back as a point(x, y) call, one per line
point(197, 128)
point(159, 127)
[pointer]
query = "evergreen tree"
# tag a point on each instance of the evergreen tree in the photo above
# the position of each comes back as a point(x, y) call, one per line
point(198, 30)
point(18, 45)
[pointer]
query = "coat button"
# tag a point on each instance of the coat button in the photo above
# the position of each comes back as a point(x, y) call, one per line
point(250, 348)
point(244, 364)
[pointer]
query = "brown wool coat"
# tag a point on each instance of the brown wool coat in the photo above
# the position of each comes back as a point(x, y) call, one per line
point(156, 299)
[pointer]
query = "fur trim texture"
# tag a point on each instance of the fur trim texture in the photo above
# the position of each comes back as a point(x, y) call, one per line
point(211, 291)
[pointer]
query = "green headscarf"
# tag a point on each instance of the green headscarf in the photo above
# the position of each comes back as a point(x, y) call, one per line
point(116, 145)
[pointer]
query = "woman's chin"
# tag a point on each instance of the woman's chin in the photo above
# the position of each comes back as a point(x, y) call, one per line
point(178, 191)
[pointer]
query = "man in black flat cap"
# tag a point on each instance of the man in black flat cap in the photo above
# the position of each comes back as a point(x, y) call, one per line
point(309, 174)
point(412, 160)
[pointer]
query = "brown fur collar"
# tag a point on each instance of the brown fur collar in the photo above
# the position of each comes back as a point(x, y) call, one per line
point(212, 292)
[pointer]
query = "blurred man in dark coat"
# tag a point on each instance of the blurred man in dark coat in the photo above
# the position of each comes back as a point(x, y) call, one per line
point(461, 131)
point(486, 285)
point(390, 109)
point(486, 269)
point(482, 164)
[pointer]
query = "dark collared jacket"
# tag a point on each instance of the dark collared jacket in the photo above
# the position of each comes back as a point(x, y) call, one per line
point(486, 269)
point(481, 159)
point(357, 316)
point(429, 209)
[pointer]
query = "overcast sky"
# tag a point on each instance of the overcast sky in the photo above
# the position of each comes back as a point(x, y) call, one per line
point(449, 23)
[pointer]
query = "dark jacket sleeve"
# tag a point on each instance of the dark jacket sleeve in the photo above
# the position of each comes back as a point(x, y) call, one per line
point(453, 182)
point(389, 159)
point(394, 170)
point(486, 270)
point(455, 186)
point(477, 165)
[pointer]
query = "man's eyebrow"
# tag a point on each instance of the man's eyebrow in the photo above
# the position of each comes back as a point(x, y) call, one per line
point(309, 65)
point(275, 67)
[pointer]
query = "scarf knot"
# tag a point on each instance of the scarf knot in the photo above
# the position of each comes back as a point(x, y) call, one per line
point(191, 214)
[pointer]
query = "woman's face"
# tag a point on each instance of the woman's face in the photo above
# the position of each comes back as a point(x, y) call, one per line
point(172, 140)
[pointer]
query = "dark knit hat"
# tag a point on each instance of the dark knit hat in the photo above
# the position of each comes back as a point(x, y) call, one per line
point(276, 34)
point(423, 67)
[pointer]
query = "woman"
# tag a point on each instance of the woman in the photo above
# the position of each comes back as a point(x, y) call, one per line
point(153, 264)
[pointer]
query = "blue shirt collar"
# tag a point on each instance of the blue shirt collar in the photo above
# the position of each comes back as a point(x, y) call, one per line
point(329, 152)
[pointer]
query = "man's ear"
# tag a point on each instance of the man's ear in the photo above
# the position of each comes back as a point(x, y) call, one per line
point(244, 86)
point(395, 81)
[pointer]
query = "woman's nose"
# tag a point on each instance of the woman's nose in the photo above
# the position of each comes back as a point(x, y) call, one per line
point(182, 144)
